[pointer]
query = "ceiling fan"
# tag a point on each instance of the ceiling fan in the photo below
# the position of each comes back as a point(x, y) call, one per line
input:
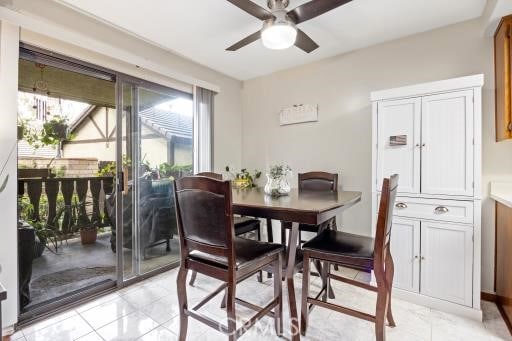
point(280, 26)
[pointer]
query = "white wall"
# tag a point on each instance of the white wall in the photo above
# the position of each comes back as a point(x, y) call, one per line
point(8, 109)
point(340, 140)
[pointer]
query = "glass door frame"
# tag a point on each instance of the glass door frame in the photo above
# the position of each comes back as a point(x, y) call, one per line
point(38, 54)
point(136, 84)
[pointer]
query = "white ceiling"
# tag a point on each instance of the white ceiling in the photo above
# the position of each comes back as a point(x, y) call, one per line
point(201, 30)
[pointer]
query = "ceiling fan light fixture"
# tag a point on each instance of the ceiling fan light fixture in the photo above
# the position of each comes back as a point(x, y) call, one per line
point(278, 35)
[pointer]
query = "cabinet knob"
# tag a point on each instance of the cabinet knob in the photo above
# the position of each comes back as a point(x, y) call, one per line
point(510, 126)
point(416, 257)
point(441, 209)
point(401, 205)
point(422, 258)
point(423, 144)
point(417, 145)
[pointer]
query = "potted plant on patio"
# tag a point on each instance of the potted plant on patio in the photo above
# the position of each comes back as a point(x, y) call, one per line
point(88, 230)
point(88, 234)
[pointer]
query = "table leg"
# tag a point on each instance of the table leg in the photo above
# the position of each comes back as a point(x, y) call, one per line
point(292, 301)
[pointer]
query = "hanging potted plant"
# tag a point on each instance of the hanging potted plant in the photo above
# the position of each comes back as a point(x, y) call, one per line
point(22, 128)
point(54, 132)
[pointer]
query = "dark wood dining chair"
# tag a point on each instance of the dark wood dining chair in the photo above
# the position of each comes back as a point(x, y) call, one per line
point(243, 225)
point(359, 252)
point(210, 247)
point(313, 181)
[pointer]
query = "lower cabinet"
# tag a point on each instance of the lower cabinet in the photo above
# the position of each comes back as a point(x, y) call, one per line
point(433, 258)
point(405, 250)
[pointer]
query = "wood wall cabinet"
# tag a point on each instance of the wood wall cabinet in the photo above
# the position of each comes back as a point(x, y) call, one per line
point(503, 260)
point(503, 78)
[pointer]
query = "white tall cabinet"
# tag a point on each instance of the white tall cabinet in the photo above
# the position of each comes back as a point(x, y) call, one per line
point(430, 134)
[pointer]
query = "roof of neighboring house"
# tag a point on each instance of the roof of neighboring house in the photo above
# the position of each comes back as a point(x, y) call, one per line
point(26, 150)
point(79, 119)
point(163, 122)
point(167, 123)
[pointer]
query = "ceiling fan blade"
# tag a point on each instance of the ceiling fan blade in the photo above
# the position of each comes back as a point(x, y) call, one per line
point(313, 9)
point(304, 42)
point(253, 9)
point(246, 41)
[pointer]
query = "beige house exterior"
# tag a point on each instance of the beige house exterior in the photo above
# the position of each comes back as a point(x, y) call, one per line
point(165, 137)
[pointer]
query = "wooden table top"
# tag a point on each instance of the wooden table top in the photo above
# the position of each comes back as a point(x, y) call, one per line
point(303, 207)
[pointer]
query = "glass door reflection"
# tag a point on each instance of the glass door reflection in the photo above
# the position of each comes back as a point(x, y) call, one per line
point(157, 148)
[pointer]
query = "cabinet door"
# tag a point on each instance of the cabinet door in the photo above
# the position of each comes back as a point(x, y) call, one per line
point(397, 119)
point(503, 78)
point(447, 262)
point(405, 250)
point(447, 143)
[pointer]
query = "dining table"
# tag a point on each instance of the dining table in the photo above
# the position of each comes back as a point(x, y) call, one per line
point(297, 207)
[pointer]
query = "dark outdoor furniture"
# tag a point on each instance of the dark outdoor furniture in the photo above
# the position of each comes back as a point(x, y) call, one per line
point(26, 251)
point(157, 219)
point(307, 207)
point(359, 252)
point(243, 225)
point(210, 247)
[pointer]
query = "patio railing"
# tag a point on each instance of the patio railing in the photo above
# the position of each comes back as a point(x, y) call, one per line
point(92, 189)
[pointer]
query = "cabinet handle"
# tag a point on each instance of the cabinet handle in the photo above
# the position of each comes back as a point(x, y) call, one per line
point(441, 209)
point(416, 257)
point(417, 145)
point(422, 258)
point(423, 144)
point(401, 205)
point(510, 126)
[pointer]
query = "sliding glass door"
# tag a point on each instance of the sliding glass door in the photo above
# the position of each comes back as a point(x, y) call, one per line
point(155, 148)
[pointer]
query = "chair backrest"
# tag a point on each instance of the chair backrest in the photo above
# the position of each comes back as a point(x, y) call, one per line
point(385, 218)
point(204, 214)
point(212, 175)
point(318, 181)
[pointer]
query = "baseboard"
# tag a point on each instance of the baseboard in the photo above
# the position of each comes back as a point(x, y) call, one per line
point(505, 318)
point(7, 332)
point(434, 303)
point(488, 296)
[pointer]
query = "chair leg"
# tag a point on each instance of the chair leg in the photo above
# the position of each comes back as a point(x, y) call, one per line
point(390, 270)
point(192, 278)
point(278, 292)
point(329, 292)
point(260, 273)
point(224, 298)
point(335, 228)
point(182, 301)
point(168, 245)
point(230, 308)
point(304, 315)
point(270, 238)
point(381, 306)
point(283, 234)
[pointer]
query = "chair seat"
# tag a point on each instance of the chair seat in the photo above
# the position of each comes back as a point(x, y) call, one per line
point(245, 224)
point(246, 251)
point(342, 244)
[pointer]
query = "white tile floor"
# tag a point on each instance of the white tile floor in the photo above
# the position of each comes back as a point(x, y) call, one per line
point(149, 311)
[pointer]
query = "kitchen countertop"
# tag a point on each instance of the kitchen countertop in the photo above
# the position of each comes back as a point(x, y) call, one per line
point(502, 192)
